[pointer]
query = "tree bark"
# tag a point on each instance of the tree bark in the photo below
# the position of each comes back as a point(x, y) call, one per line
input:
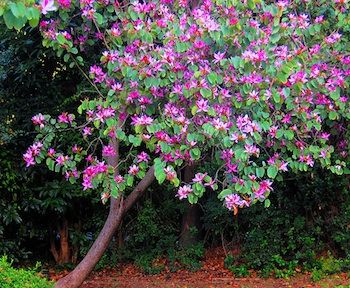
point(117, 210)
point(191, 217)
point(61, 251)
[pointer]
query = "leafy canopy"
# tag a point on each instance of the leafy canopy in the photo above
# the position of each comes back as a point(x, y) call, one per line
point(258, 88)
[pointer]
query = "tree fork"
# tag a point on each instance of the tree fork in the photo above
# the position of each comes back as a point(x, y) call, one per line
point(117, 210)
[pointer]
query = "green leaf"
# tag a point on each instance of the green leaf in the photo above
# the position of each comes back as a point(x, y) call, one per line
point(267, 203)
point(130, 180)
point(50, 163)
point(176, 182)
point(99, 18)
point(282, 77)
point(114, 192)
point(195, 153)
point(260, 172)
point(14, 9)
point(212, 78)
point(289, 134)
point(136, 141)
point(9, 19)
point(272, 172)
point(335, 95)
point(333, 115)
point(34, 22)
point(236, 61)
point(193, 199)
point(224, 193)
point(275, 38)
point(159, 170)
point(61, 39)
point(251, 4)
point(206, 93)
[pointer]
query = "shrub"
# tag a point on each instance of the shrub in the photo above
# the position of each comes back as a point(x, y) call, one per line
point(20, 278)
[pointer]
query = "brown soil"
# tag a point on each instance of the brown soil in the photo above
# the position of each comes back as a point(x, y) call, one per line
point(212, 274)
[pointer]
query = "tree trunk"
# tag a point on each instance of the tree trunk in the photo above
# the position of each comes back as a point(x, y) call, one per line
point(117, 210)
point(191, 217)
point(64, 243)
point(61, 251)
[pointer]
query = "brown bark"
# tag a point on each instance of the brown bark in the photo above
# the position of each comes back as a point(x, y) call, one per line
point(191, 217)
point(117, 210)
point(64, 243)
point(62, 251)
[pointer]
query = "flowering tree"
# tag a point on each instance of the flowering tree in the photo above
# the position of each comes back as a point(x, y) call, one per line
point(257, 88)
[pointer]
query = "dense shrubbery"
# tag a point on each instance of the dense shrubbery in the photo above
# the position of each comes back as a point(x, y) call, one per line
point(305, 228)
point(309, 217)
point(20, 278)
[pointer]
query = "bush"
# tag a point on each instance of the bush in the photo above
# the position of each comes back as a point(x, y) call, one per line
point(308, 216)
point(329, 265)
point(20, 278)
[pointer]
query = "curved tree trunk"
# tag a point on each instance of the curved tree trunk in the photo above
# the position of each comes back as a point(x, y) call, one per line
point(117, 210)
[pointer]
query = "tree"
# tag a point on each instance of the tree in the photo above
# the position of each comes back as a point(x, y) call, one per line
point(29, 197)
point(258, 88)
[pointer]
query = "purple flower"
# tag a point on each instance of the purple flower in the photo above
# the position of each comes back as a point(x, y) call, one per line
point(108, 151)
point(39, 120)
point(232, 201)
point(47, 6)
point(184, 191)
point(133, 170)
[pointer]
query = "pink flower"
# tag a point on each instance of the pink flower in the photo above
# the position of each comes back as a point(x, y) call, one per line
point(199, 177)
point(170, 173)
point(92, 171)
point(65, 4)
point(32, 151)
point(51, 152)
point(142, 157)
point(119, 179)
point(211, 184)
point(232, 201)
point(307, 159)
point(61, 160)
point(218, 57)
point(133, 170)
point(265, 186)
point(47, 6)
point(141, 120)
point(39, 120)
point(283, 166)
point(65, 118)
point(202, 105)
point(108, 151)
point(29, 159)
point(184, 191)
point(87, 131)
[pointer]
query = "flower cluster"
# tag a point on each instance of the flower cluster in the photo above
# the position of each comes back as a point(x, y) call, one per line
point(31, 153)
point(254, 89)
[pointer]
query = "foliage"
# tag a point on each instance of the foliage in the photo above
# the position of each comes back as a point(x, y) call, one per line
point(328, 266)
point(31, 201)
point(290, 235)
point(237, 270)
point(20, 278)
point(150, 240)
point(255, 88)
point(172, 90)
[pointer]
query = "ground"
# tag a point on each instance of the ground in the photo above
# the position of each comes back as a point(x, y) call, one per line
point(213, 274)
